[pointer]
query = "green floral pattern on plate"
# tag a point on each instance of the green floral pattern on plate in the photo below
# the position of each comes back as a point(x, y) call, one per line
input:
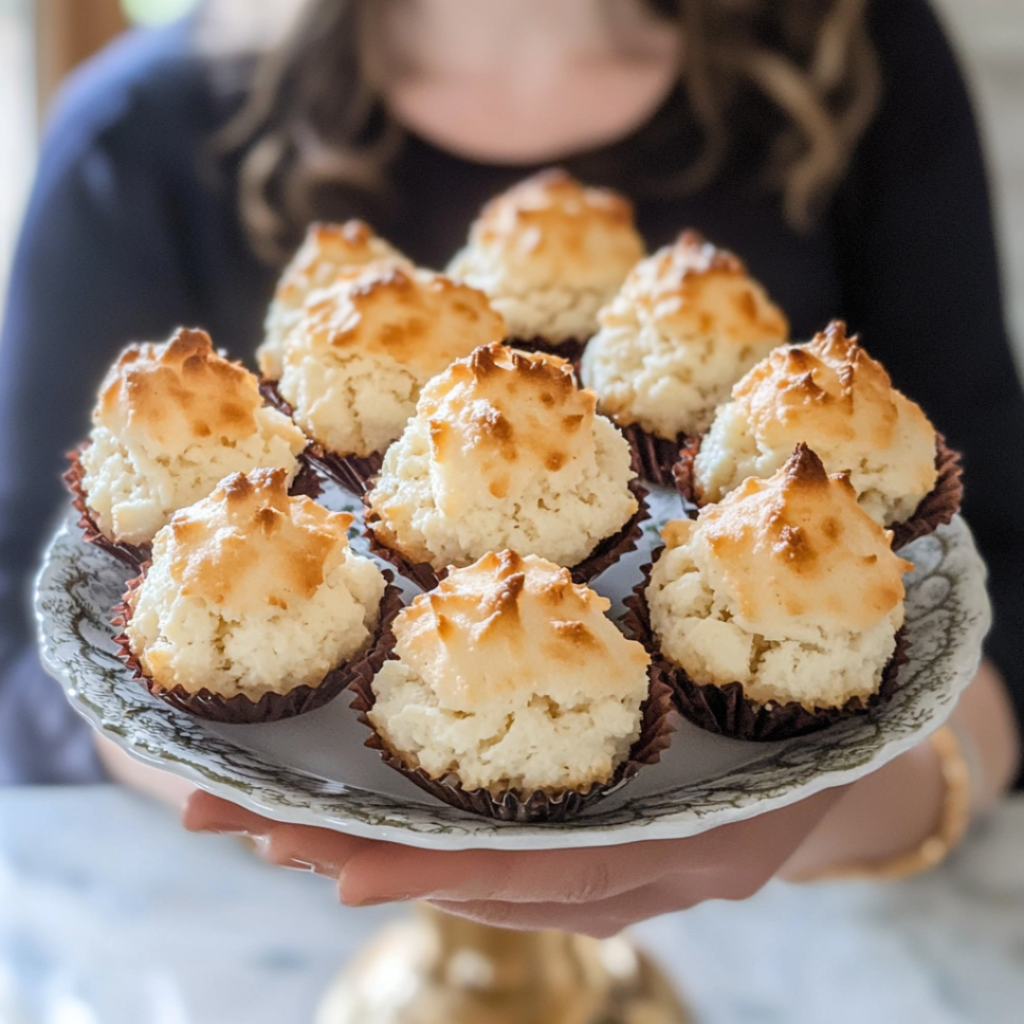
point(947, 617)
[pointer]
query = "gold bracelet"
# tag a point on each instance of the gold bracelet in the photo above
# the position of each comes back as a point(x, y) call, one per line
point(953, 821)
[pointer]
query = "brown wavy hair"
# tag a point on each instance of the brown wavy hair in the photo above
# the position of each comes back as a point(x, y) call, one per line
point(313, 121)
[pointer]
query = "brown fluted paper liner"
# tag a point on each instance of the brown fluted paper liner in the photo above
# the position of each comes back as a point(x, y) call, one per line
point(271, 707)
point(131, 555)
point(353, 472)
point(940, 504)
point(654, 458)
point(682, 472)
point(726, 711)
point(605, 555)
point(536, 806)
point(936, 508)
point(306, 483)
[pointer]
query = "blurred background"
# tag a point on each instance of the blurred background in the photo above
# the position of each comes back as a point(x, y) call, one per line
point(41, 40)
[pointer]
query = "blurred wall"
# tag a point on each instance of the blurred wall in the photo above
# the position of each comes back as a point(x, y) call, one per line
point(989, 35)
point(67, 32)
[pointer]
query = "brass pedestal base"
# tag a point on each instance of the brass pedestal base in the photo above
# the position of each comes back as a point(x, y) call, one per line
point(438, 969)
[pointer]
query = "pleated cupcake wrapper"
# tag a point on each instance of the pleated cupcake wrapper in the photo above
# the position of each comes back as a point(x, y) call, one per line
point(270, 707)
point(936, 508)
point(534, 806)
point(307, 481)
point(134, 556)
point(940, 504)
point(726, 711)
point(682, 474)
point(653, 457)
point(353, 472)
point(604, 555)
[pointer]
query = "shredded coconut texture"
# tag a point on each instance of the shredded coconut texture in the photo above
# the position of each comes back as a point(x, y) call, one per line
point(550, 252)
point(485, 466)
point(687, 324)
point(230, 607)
point(787, 586)
point(329, 251)
point(667, 386)
point(554, 314)
point(695, 620)
point(510, 676)
point(171, 421)
point(134, 490)
point(354, 365)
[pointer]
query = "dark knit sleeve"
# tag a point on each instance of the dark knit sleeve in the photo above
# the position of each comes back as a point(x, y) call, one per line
point(921, 284)
point(97, 266)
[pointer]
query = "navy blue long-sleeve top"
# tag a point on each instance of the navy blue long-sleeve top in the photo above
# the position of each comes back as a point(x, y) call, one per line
point(131, 232)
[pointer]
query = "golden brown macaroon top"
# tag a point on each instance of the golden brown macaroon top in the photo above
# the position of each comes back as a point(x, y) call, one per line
point(418, 318)
point(329, 249)
point(249, 544)
point(798, 547)
point(506, 622)
point(694, 289)
point(830, 389)
point(551, 230)
point(178, 393)
point(510, 412)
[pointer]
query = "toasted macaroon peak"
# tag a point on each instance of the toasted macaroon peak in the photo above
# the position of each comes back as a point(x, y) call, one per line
point(686, 325)
point(171, 421)
point(549, 252)
point(515, 625)
point(799, 547)
point(832, 388)
point(504, 452)
point(831, 392)
point(787, 587)
point(178, 392)
point(417, 318)
point(327, 252)
point(693, 289)
point(551, 226)
point(249, 544)
point(251, 590)
point(512, 677)
point(354, 364)
point(510, 414)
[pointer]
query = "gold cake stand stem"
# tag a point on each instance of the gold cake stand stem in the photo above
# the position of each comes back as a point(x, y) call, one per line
point(437, 969)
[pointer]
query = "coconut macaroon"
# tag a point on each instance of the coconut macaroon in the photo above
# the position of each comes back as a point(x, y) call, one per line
point(172, 420)
point(687, 324)
point(833, 395)
point(504, 452)
point(786, 587)
point(550, 253)
point(510, 677)
point(252, 592)
point(327, 252)
point(355, 362)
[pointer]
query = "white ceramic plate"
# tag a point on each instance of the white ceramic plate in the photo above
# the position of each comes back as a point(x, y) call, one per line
point(315, 770)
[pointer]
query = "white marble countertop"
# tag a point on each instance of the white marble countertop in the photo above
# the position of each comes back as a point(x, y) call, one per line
point(111, 914)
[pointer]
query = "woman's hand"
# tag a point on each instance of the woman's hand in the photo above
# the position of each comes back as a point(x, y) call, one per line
point(594, 891)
